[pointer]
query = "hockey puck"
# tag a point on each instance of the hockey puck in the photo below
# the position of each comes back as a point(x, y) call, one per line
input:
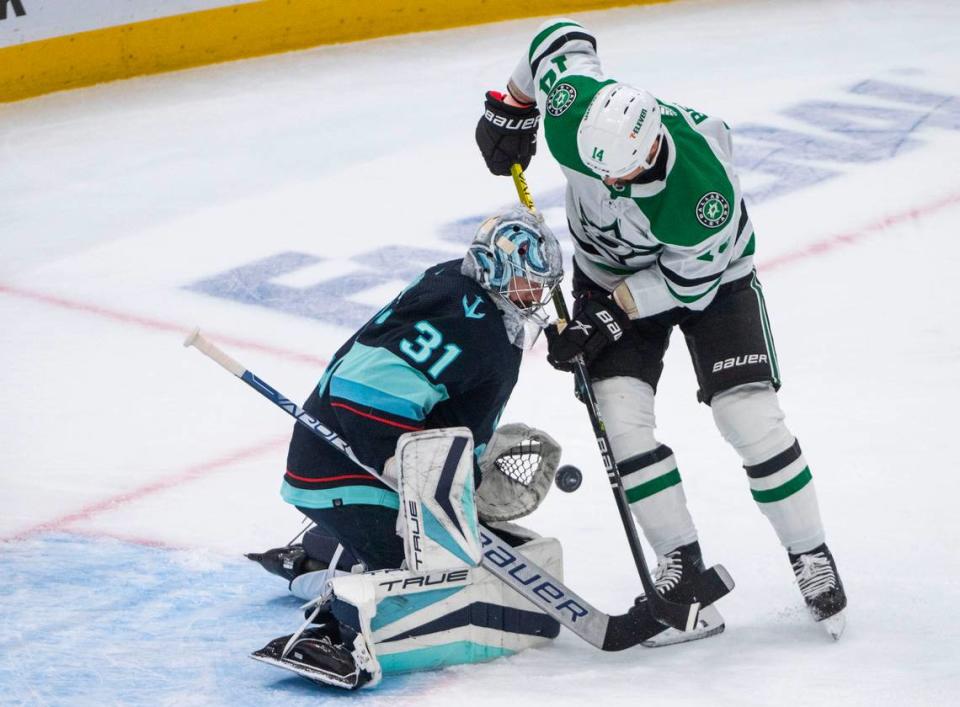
point(568, 478)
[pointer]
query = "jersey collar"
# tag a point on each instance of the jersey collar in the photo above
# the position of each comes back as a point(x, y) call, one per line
point(654, 180)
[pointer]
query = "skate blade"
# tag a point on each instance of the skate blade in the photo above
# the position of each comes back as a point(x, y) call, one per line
point(270, 565)
point(835, 625)
point(724, 576)
point(313, 674)
point(709, 623)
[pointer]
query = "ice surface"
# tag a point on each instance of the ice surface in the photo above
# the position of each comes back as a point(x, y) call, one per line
point(276, 201)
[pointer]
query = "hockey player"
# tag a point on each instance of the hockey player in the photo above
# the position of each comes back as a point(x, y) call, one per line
point(418, 392)
point(662, 239)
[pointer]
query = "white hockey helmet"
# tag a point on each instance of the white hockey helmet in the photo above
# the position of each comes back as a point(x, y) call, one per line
point(618, 130)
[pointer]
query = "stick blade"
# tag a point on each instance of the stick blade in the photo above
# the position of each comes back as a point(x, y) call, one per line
point(630, 629)
point(709, 623)
point(682, 617)
point(712, 584)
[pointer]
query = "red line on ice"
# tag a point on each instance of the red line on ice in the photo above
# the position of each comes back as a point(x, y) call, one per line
point(830, 243)
point(129, 539)
point(156, 324)
point(826, 245)
point(813, 250)
point(190, 474)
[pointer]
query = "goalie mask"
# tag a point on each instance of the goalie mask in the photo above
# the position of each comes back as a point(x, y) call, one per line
point(517, 258)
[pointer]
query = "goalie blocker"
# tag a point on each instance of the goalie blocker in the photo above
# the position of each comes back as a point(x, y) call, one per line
point(443, 608)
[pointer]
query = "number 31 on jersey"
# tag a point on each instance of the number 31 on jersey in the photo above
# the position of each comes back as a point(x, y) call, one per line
point(426, 345)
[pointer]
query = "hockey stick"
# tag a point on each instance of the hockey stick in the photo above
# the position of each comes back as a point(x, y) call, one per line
point(679, 616)
point(609, 633)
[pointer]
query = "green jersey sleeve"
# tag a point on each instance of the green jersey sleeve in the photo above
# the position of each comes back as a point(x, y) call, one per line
point(673, 236)
point(561, 71)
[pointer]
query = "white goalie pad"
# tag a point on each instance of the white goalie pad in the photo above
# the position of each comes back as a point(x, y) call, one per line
point(518, 467)
point(412, 621)
point(438, 514)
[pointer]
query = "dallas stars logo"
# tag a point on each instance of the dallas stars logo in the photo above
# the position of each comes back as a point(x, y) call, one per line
point(561, 98)
point(608, 242)
point(713, 209)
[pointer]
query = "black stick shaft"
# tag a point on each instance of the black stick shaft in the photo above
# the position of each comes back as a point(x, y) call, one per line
point(679, 616)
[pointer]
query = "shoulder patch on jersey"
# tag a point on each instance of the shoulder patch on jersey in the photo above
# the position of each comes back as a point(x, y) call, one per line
point(713, 209)
point(561, 97)
point(470, 310)
point(560, 127)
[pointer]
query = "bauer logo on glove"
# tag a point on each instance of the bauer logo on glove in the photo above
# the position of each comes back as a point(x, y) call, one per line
point(506, 133)
point(598, 323)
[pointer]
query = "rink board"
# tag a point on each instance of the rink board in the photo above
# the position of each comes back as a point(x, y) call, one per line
point(43, 49)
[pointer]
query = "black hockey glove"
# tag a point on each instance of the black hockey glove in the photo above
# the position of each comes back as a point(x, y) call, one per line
point(598, 323)
point(506, 134)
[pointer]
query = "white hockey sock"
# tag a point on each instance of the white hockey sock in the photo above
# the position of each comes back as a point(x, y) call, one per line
point(749, 418)
point(783, 488)
point(655, 493)
point(649, 469)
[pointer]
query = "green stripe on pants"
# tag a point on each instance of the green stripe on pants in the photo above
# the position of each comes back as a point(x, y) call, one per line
point(767, 332)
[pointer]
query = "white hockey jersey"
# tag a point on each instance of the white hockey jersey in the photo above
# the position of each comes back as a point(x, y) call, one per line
point(676, 234)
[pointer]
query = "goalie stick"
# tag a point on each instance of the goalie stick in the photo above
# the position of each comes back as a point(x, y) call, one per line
point(606, 632)
point(679, 616)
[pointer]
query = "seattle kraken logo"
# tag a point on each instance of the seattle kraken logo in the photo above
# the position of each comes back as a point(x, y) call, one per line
point(470, 310)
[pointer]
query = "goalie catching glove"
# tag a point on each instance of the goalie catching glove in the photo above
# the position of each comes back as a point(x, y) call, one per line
point(517, 470)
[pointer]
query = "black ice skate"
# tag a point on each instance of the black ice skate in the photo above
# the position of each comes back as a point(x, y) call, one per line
point(822, 590)
point(314, 654)
point(287, 562)
point(678, 578)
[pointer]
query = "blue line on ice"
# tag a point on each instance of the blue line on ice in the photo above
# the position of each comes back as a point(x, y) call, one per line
point(91, 621)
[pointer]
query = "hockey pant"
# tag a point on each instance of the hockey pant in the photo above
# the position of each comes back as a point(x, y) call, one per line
point(750, 419)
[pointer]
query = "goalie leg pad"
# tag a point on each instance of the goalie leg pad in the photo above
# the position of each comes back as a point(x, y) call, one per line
point(438, 514)
point(428, 621)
